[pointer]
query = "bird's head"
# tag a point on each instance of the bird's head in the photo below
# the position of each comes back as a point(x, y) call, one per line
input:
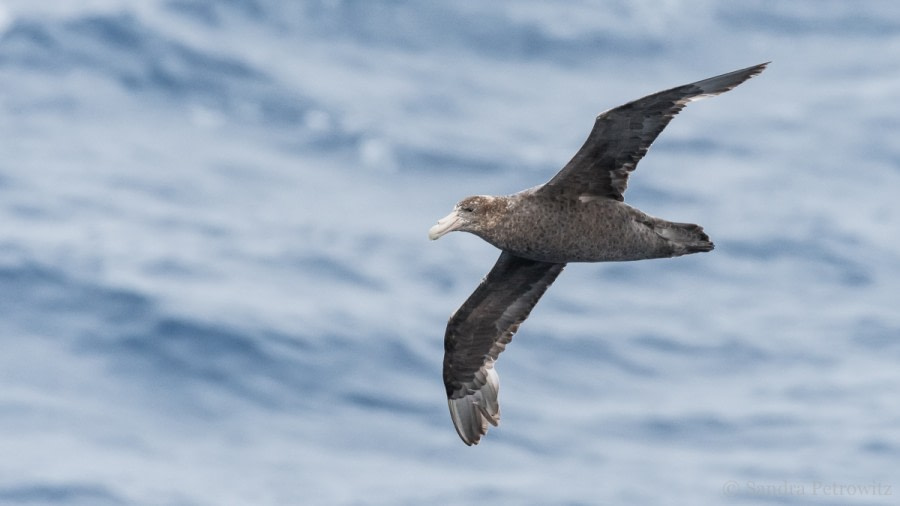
point(471, 214)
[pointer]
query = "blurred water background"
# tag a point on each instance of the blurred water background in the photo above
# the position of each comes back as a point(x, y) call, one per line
point(216, 286)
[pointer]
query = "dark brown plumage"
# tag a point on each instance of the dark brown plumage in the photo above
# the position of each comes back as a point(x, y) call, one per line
point(577, 216)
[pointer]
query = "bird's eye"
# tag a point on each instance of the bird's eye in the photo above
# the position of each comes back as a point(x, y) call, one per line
point(468, 209)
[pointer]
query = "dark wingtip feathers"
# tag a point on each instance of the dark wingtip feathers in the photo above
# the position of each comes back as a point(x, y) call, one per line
point(722, 83)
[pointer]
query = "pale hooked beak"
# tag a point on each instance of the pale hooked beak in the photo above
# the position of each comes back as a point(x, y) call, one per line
point(446, 224)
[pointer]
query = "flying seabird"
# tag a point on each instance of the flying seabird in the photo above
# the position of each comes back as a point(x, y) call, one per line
point(577, 216)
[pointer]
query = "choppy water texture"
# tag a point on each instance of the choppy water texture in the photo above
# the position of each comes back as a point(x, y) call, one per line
point(216, 287)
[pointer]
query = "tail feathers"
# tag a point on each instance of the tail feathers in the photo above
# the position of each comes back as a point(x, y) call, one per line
point(686, 238)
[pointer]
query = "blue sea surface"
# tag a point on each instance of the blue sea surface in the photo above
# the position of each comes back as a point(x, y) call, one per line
point(216, 286)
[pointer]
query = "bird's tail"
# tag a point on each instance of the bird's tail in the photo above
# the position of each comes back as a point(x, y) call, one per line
point(685, 238)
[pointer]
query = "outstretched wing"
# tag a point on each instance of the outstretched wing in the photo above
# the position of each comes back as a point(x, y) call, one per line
point(477, 333)
point(622, 136)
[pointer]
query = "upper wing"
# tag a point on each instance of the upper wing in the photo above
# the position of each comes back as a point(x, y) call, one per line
point(621, 137)
point(477, 333)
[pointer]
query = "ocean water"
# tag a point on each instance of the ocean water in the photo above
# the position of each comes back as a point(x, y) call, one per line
point(216, 286)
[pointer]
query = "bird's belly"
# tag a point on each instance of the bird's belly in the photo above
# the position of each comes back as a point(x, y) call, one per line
point(605, 231)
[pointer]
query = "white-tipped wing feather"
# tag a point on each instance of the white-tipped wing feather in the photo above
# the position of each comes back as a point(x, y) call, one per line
point(477, 333)
point(472, 412)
